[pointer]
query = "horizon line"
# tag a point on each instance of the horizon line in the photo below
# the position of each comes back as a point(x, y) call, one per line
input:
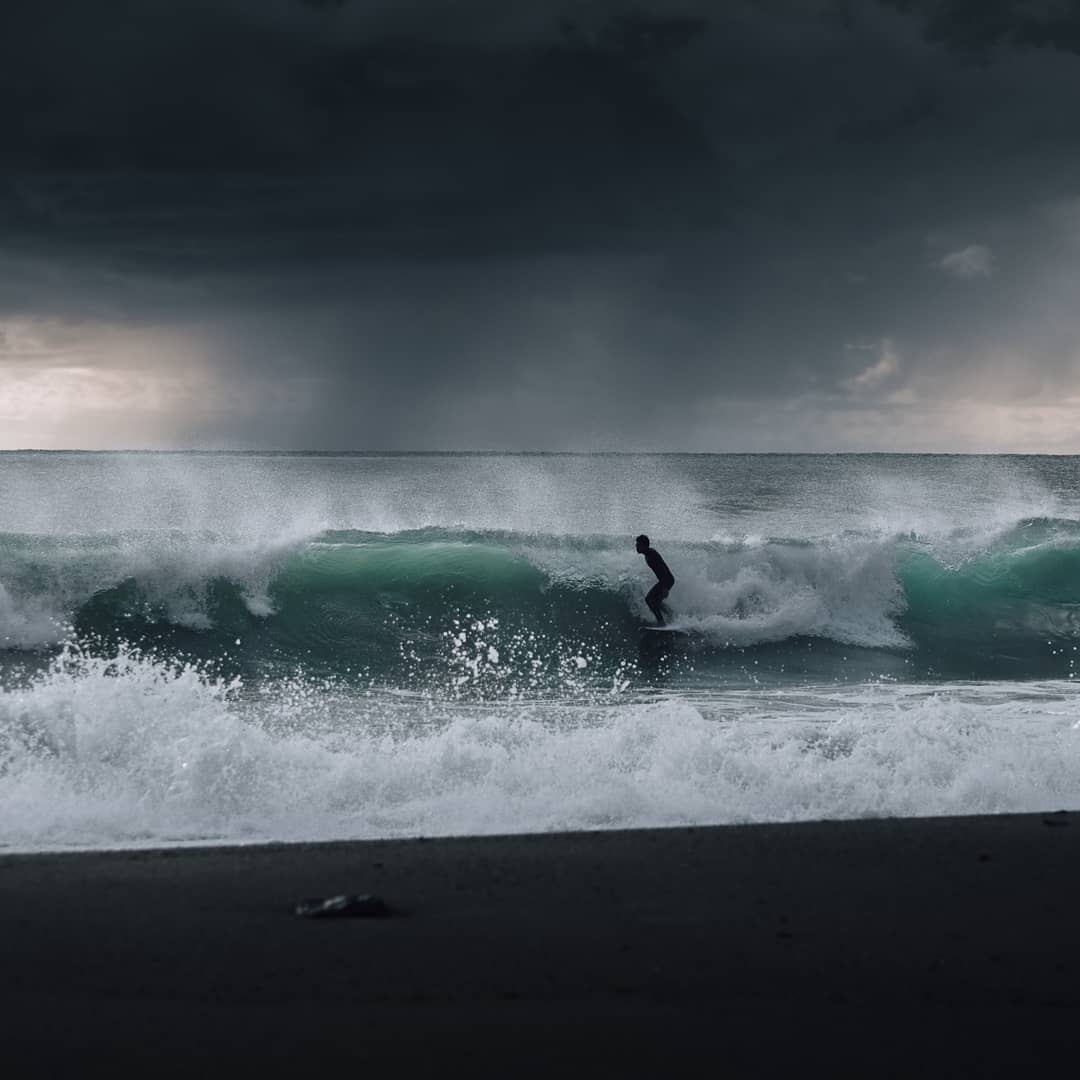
point(253, 452)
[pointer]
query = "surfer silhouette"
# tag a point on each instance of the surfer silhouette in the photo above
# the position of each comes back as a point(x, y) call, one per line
point(665, 579)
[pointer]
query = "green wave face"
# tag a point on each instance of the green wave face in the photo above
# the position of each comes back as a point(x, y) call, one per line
point(1016, 605)
point(444, 611)
point(464, 613)
point(505, 613)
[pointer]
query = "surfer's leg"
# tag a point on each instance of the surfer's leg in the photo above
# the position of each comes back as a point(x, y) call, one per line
point(654, 598)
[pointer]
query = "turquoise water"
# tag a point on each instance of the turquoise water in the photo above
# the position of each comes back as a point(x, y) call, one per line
point(299, 646)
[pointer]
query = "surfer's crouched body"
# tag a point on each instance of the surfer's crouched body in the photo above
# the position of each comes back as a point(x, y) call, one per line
point(665, 579)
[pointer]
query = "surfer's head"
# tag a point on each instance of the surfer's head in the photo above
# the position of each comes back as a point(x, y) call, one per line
point(642, 544)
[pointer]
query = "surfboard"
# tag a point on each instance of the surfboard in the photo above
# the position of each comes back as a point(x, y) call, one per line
point(666, 629)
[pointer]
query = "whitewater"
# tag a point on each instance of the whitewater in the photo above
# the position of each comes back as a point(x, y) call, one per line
point(247, 647)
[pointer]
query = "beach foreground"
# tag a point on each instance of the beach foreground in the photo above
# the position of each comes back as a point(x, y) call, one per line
point(882, 947)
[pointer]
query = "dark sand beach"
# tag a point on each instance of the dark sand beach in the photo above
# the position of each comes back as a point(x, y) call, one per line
point(884, 947)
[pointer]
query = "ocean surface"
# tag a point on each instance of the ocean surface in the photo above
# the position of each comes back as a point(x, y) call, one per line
point(245, 647)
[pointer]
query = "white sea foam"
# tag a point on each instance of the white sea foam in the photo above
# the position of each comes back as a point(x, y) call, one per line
point(844, 588)
point(111, 753)
point(44, 581)
point(847, 592)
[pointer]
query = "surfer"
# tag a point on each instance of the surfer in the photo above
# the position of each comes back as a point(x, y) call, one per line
point(665, 579)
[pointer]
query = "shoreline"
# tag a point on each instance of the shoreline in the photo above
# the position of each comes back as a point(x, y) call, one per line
point(209, 846)
point(888, 945)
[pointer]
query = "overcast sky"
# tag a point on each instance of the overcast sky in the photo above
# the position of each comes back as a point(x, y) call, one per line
point(418, 224)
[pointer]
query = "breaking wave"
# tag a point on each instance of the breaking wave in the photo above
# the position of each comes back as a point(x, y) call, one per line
point(391, 603)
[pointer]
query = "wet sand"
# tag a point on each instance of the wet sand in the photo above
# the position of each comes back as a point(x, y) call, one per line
point(873, 948)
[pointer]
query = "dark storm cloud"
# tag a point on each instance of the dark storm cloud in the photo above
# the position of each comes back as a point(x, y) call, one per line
point(263, 122)
point(547, 224)
point(201, 133)
point(979, 25)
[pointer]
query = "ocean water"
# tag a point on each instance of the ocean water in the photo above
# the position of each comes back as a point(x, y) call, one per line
point(244, 647)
